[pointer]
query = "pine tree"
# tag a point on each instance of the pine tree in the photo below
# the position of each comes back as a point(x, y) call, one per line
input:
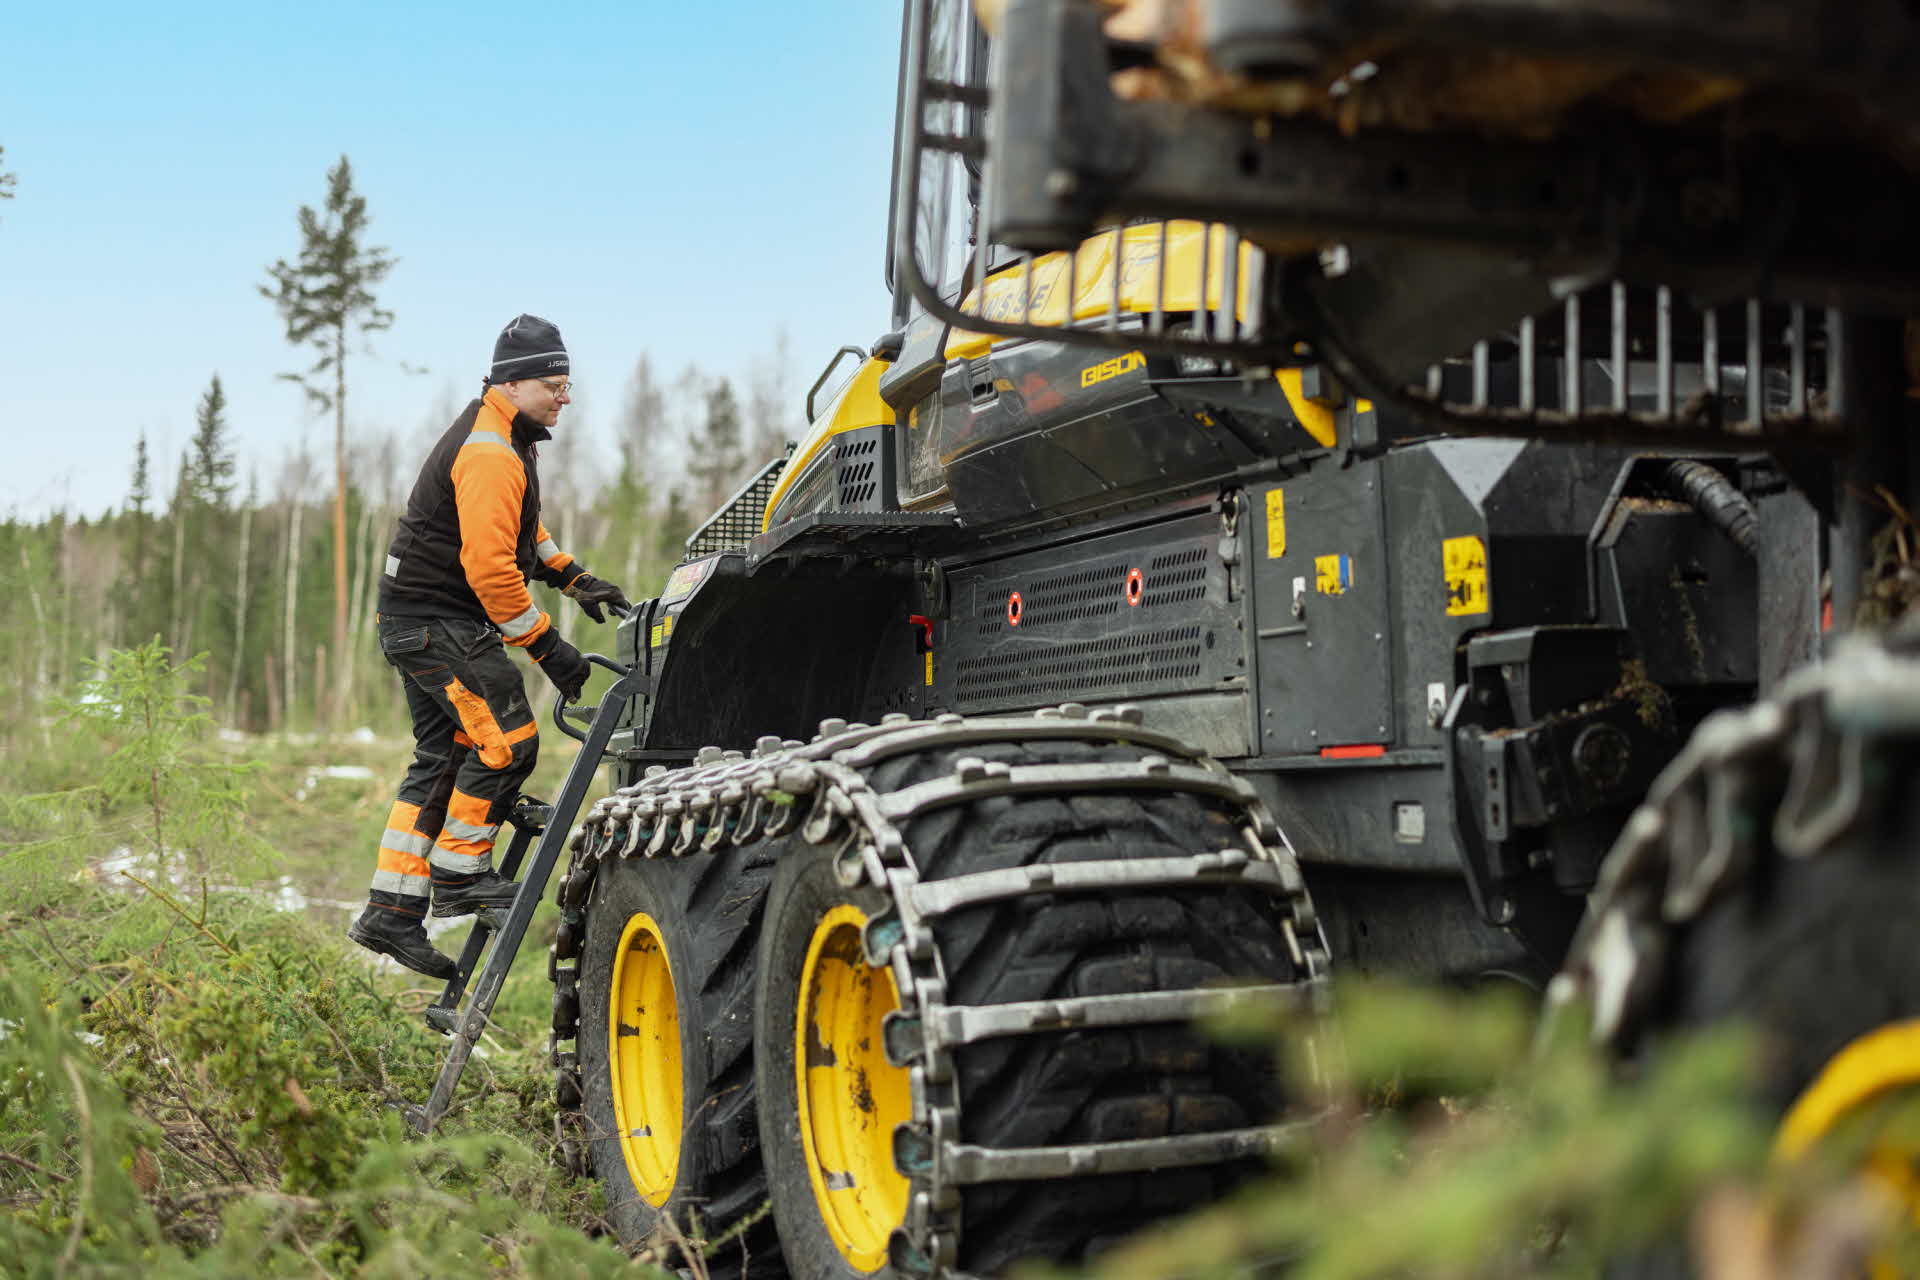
point(212, 451)
point(676, 526)
point(238, 660)
point(139, 497)
point(207, 511)
point(138, 524)
point(321, 296)
point(141, 491)
point(180, 517)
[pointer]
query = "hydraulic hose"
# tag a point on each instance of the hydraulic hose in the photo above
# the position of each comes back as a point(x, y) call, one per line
point(1714, 496)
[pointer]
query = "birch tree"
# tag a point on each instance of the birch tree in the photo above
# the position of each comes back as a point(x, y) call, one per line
point(289, 652)
point(239, 659)
point(323, 296)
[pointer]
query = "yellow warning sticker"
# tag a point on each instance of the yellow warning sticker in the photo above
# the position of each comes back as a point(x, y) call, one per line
point(1332, 575)
point(658, 634)
point(929, 670)
point(669, 624)
point(1465, 562)
point(1276, 523)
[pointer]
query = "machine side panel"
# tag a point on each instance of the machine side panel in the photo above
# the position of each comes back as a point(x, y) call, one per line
point(1321, 582)
point(1444, 586)
point(1141, 612)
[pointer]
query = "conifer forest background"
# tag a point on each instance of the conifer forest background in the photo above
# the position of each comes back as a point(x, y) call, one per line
point(240, 566)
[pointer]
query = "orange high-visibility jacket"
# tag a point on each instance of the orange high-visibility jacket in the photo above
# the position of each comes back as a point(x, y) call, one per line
point(471, 539)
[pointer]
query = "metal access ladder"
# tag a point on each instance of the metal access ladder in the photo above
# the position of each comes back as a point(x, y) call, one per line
point(498, 934)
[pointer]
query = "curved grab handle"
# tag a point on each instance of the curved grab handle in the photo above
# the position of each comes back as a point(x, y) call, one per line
point(827, 372)
point(562, 708)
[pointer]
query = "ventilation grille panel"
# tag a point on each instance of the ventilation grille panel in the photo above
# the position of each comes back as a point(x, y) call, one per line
point(1171, 654)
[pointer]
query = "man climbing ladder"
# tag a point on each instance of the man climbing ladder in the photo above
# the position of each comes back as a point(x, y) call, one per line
point(454, 594)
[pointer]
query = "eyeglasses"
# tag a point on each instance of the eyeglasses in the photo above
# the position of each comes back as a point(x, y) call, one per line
point(559, 386)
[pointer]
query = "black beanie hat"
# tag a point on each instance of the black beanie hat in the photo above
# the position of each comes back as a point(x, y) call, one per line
point(528, 347)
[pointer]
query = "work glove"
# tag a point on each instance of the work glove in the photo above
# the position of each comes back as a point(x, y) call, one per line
point(565, 668)
point(591, 592)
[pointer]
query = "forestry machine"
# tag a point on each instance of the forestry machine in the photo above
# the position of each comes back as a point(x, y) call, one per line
point(1415, 487)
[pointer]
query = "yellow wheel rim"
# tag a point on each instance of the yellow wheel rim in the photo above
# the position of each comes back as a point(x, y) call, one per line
point(1868, 1070)
point(643, 1056)
point(850, 1097)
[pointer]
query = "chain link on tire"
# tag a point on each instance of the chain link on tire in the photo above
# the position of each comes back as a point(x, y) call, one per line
point(821, 793)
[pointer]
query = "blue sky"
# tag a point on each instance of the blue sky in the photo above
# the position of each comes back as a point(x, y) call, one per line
point(681, 180)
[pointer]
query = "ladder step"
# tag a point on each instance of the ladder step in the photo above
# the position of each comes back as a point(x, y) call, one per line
point(528, 818)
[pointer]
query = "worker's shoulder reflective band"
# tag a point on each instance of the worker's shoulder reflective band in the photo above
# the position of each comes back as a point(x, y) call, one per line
point(487, 440)
point(393, 566)
point(514, 628)
point(546, 550)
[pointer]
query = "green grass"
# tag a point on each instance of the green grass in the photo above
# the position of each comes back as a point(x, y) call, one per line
point(193, 1081)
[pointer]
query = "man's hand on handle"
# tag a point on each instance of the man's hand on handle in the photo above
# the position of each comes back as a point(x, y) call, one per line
point(564, 666)
point(591, 592)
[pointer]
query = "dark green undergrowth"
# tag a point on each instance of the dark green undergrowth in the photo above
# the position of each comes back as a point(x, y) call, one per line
point(193, 1082)
point(1456, 1136)
point(213, 1089)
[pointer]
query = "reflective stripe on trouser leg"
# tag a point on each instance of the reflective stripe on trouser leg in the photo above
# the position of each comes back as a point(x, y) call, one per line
point(402, 865)
point(491, 745)
point(465, 846)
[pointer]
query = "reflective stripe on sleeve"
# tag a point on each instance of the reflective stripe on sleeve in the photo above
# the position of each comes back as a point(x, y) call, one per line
point(514, 628)
point(546, 549)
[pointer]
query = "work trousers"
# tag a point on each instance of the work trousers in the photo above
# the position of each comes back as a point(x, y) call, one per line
point(474, 742)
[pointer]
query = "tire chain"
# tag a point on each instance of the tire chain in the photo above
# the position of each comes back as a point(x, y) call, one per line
point(819, 789)
point(1710, 814)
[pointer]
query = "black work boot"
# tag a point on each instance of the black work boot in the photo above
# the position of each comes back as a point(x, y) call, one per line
point(399, 933)
point(458, 895)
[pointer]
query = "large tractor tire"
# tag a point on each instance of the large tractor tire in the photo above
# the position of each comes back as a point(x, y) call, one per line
point(978, 966)
point(665, 1055)
point(1773, 877)
point(968, 1057)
